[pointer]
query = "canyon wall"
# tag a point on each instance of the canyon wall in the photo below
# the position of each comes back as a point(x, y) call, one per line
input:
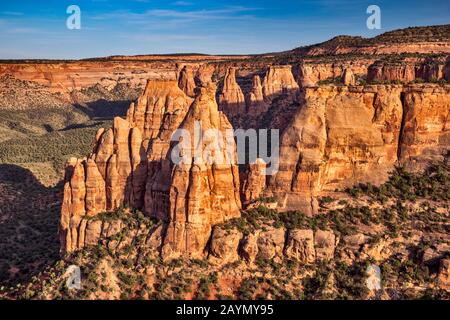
point(65, 77)
point(332, 137)
point(342, 136)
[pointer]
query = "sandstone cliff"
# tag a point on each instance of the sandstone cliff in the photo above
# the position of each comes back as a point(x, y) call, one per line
point(231, 98)
point(131, 165)
point(333, 137)
point(278, 79)
point(202, 191)
point(341, 136)
point(255, 98)
point(408, 71)
point(186, 81)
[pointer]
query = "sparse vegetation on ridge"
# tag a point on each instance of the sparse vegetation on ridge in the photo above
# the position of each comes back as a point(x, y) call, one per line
point(124, 267)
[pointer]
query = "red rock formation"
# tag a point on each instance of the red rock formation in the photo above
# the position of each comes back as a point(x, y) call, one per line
point(255, 98)
point(231, 98)
point(343, 136)
point(348, 78)
point(391, 72)
point(191, 197)
point(224, 246)
point(426, 126)
point(255, 182)
point(300, 246)
point(95, 189)
point(159, 110)
point(338, 137)
point(310, 72)
point(121, 188)
point(65, 77)
point(186, 81)
point(406, 71)
point(278, 79)
point(139, 165)
point(444, 274)
point(197, 193)
point(204, 74)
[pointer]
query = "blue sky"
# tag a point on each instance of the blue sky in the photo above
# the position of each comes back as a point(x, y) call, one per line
point(37, 29)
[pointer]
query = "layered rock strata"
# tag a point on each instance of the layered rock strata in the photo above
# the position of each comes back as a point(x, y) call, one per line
point(278, 79)
point(332, 137)
point(231, 99)
point(186, 81)
point(131, 165)
point(200, 191)
point(342, 136)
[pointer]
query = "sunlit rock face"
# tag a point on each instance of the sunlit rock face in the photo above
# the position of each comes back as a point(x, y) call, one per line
point(425, 135)
point(231, 99)
point(201, 192)
point(278, 79)
point(342, 136)
point(186, 81)
point(131, 164)
point(331, 137)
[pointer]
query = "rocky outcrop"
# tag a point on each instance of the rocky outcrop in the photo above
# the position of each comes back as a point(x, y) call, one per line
point(255, 182)
point(325, 244)
point(231, 98)
point(271, 243)
point(406, 71)
point(224, 245)
point(306, 75)
point(348, 78)
point(95, 189)
point(426, 126)
point(92, 188)
point(204, 74)
point(186, 81)
point(195, 194)
point(310, 73)
point(333, 137)
point(159, 110)
point(380, 72)
point(444, 274)
point(278, 79)
point(65, 77)
point(300, 246)
point(431, 71)
point(190, 196)
point(249, 248)
point(255, 98)
point(341, 137)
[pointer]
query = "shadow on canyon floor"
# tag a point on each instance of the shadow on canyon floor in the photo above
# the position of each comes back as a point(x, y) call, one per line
point(29, 214)
point(104, 109)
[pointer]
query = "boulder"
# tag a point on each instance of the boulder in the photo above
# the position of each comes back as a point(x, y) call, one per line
point(249, 248)
point(300, 246)
point(224, 245)
point(271, 244)
point(324, 244)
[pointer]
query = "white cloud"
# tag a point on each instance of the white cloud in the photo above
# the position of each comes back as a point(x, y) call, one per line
point(182, 3)
point(22, 30)
point(11, 13)
point(232, 12)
